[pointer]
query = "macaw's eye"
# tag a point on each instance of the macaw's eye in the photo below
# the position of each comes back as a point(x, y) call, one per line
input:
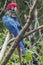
point(10, 14)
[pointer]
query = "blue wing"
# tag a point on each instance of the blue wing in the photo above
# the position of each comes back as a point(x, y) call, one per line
point(10, 24)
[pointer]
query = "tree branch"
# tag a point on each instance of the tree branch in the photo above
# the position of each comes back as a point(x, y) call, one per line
point(32, 31)
point(2, 51)
point(27, 34)
point(2, 9)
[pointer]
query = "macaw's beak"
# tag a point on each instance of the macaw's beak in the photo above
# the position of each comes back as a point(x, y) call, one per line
point(15, 8)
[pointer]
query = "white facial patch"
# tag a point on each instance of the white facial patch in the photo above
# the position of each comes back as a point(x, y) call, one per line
point(15, 8)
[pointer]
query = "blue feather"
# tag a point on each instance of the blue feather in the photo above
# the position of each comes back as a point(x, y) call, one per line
point(12, 26)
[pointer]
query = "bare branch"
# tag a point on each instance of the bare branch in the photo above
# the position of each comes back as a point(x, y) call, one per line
point(27, 34)
point(2, 9)
point(32, 31)
point(4, 46)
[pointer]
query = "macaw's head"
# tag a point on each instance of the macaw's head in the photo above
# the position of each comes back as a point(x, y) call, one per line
point(11, 6)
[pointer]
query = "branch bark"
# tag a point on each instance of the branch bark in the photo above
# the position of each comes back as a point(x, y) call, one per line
point(2, 9)
point(27, 34)
point(32, 31)
point(19, 37)
point(4, 46)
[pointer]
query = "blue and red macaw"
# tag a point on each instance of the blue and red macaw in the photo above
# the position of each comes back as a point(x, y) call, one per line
point(13, 25)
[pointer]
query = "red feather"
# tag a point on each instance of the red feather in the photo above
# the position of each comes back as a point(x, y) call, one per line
point(10, 5)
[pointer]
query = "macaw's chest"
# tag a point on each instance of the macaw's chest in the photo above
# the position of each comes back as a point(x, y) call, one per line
point(12, 14)
point(7, 20)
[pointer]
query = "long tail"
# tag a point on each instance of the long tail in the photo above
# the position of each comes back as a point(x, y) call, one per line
point(21, 44)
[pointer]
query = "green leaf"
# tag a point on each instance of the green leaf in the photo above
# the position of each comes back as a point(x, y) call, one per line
point(39, 57)
point(41, 42)
point(34, 48)
point(26, 41)
point(40, 63)
point(28, 56)
point(41, 50)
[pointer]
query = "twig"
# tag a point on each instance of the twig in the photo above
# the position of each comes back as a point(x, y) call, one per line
point(32, 31)
point(2, 9)
point(27, 34)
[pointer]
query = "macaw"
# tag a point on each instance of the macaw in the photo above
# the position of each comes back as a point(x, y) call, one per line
point(12, 24)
